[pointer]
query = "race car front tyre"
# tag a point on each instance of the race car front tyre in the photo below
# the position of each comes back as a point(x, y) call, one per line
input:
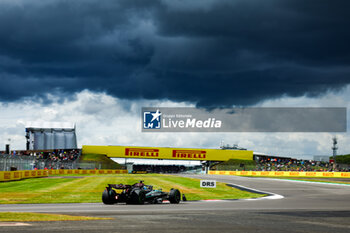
point(108, 196)
point(174, 196)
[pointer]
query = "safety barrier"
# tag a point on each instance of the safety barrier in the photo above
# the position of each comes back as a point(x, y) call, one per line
point(281, 173)
point(18, 175)
point(85, 172)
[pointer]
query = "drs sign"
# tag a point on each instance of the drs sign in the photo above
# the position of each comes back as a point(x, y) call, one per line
point(208, 183)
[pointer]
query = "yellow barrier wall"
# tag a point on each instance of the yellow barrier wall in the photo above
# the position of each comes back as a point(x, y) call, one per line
point(83, 172)
point(168, 153)
point(280, 173)
point(17, 175)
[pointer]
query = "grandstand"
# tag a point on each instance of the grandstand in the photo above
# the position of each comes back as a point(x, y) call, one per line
point(50, 135)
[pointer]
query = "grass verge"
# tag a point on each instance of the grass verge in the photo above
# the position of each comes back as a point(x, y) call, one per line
point(103, 160)
point(89, 189)
point(36, 217)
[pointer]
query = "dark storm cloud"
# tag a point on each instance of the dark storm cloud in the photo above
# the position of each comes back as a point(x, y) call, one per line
point(212, 53)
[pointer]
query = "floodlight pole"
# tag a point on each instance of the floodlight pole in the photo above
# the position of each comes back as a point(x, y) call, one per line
point(335, 148)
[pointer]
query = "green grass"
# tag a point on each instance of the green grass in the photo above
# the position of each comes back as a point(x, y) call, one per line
point(235, 164)
point(89, 189)
point(344, 159)
point(33, 217)
point(106, 162)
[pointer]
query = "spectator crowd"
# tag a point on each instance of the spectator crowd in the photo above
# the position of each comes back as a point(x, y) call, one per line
point(287, 164)
point(52, 155)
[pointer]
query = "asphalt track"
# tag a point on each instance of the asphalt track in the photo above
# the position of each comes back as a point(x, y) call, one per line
point(304, 207)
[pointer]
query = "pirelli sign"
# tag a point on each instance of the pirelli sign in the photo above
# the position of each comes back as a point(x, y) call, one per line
point(139, 152)
point(200, 154)
point(190, 154)
point(184, 154)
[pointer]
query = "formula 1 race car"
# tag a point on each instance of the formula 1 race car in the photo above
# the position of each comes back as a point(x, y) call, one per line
point(138, 193)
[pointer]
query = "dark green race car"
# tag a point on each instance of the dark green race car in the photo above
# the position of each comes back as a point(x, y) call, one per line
point(139, 193)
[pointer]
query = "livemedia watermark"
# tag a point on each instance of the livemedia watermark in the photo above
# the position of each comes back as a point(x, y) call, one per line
point(243, 120)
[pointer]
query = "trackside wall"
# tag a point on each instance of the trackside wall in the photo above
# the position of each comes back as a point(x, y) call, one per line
point(18, 175)
point(281, 173)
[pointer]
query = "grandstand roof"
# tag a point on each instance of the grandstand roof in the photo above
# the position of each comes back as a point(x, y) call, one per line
point(49, 125)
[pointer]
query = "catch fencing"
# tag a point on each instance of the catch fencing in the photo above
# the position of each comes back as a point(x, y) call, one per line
point(15, 162)
point(29, 162)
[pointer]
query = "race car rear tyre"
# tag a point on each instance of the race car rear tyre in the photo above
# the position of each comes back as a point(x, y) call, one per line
point(174, 196)
point(108, 197)
point(137, 196)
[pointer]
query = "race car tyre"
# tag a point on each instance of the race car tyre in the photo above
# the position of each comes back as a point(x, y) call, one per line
point(108, 197)
point(174, 196)
point(138, 196)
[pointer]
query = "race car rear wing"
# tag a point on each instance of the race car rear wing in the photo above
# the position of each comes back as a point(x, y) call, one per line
point(126, 186)
point(119, 186)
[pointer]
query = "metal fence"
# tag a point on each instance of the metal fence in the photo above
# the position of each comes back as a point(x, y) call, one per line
point(13, 162)
point(42, 164)
point(24, 162)
point(49, 164)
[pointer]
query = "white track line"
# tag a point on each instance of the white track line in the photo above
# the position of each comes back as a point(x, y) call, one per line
point(272, 196)
point(302, 181)
point(13, 224)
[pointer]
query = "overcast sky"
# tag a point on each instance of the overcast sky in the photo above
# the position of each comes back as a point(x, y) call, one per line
point(96, 63)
